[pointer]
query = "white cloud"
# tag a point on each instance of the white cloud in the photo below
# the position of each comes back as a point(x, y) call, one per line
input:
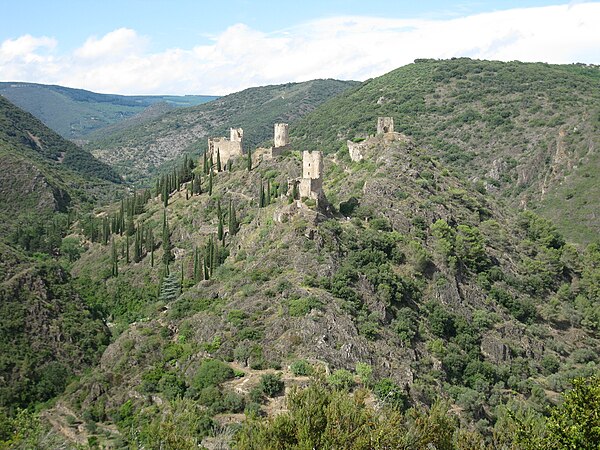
point(338, 47)
point(118, 43)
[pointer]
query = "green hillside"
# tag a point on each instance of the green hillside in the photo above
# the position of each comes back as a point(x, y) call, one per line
point(139, 152)
point(48, 335)
point(420, 289)
point(527, 132)
point(75, 113)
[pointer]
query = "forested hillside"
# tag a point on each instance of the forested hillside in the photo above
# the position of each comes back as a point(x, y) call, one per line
point(525, 132)
point(413, 306)
point(75, 113)
point(139, 152)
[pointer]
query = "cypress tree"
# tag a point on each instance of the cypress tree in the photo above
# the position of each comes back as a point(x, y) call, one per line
point(205, 164)
point(210, 183)
point(249, 162)
point(115, 259)
point(127, 245)
point(196, 266)
point(166, 243)
point(233, 225)
point(268, 199)
point(220, 232)
point(181, 281)
point(261, 196)
point(229, 165)
point(218, 160)
point(151, 244)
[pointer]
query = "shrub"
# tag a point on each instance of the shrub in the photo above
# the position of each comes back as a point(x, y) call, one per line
point(301, 367)
point(341, 379)
point(391, 394)
point(211, 373)
point(271, 384)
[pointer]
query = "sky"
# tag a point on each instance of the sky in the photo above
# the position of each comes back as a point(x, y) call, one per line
point(183, 47)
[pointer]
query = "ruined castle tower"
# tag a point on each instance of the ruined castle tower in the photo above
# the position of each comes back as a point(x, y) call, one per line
point(311, 183)
point(281, 137)
point(236, 134)
point(226, 148)
point(385, 125)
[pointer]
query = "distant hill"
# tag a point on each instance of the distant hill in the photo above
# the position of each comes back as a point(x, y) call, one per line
point(74, 113)
point(528, 132)
point(138, 152)
point(42, 172)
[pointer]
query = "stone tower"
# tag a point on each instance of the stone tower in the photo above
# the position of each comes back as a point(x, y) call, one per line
point(385, 125)
point(311, 183)
point(226, 148)
point(236, 134)
point(281, 137)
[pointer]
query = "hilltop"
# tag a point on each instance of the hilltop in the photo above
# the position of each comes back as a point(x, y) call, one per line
point(75, 113)
point(410, 272)
point(139, 152)
point(523, 131)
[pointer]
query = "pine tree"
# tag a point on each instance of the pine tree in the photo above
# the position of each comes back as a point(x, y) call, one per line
point(169, 288)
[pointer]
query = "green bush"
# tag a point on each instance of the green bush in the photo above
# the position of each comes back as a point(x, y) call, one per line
point(211, 372)
point(271, 384)
point(341, 379)
point(301, 367)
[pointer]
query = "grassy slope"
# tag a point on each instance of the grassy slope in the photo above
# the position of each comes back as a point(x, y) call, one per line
point(528, 131)
point(74, 113)
point(140, 151)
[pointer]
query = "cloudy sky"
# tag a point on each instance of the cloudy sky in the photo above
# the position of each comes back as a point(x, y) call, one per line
point(218, 47)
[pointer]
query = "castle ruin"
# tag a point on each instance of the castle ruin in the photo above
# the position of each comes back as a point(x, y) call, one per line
point(311, 183)
point(226, 148)
point(385, 128)
point(281, 137)
point(385, 125)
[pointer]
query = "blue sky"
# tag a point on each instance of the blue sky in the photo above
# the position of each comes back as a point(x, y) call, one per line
point(178, 47)
point(190, 22)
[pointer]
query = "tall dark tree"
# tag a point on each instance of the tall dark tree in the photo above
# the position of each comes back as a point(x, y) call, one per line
point(166, 242)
